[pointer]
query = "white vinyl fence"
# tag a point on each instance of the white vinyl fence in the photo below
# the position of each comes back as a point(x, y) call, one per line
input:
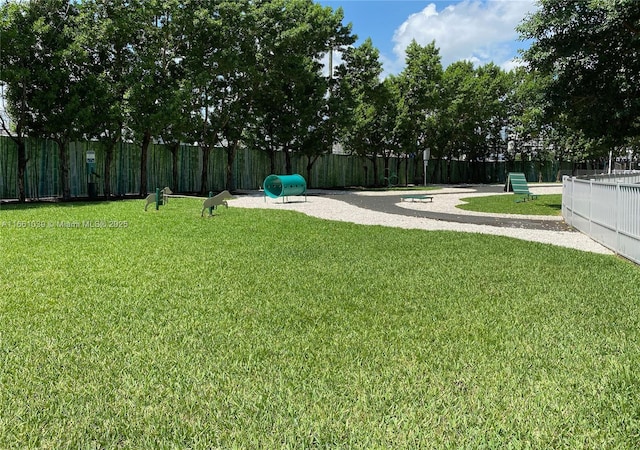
point(607, 211)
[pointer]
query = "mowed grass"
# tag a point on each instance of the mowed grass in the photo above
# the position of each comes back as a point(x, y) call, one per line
point(544, 205)
point(271, 329)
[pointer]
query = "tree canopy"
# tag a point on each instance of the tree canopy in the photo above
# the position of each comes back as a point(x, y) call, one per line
point(590, 52)
point(225, 73)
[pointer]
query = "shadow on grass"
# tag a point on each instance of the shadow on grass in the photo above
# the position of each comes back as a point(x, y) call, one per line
point(39, 205)
point(13, 205)
point(555, 206)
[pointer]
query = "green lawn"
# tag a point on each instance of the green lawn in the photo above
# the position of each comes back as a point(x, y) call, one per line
point(544, 205)
point(271, 329)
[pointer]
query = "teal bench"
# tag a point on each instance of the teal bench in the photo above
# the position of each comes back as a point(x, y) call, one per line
point(415, 197)
point(517, 183)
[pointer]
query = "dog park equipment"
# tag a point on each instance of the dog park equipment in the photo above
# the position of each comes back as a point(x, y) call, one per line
point(276, 186)
point(161, 197)
point(415, 197)
point(517, 183)
point(216, 200)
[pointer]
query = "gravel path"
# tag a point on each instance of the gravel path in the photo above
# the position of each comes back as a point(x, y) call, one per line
point(345, 206)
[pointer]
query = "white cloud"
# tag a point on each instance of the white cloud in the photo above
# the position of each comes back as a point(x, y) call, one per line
point(474, 30)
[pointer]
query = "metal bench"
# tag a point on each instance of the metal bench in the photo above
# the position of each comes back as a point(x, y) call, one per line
point(415, 197)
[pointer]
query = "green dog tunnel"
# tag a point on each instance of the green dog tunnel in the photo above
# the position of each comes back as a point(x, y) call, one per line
point(276, 186)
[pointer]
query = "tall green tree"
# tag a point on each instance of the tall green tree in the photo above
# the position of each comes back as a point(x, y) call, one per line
point(219, 63)
point(590, 52)
point(51, 98)
point(290, 111)
point(109, 35)
point(240, 37)
point(470, 116)
point(420, 88)
point(60, 103)
point(19, 58)
point(153, 99)
point(490, 86)
point(457, 118)
point(367, 133)
point(177, 128)
point(199, 47)
point(294, 107)
point(527, 121)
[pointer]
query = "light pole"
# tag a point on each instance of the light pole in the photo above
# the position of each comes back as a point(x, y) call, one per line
point(426, 154)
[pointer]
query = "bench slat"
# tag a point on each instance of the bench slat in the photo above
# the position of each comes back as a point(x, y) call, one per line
point(416, 197)
point(518, 183)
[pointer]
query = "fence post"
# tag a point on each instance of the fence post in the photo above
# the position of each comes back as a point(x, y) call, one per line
point(567, 199)
point(573, 195)
point(617, 219)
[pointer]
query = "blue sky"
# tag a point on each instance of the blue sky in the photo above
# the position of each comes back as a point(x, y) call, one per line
point(481, 31)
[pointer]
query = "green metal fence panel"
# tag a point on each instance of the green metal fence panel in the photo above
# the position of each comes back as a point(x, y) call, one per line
point(249, 169)
point(8, 169)
point(41, 177)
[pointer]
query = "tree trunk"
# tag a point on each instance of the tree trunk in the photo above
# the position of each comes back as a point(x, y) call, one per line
point(437, 171)
point(559, 172)
point(108, 158)
point(387, 169)
point(144, 156)
point(288, 167)
point(231, 157)
point(174, 162)
point(310, 163)
point(272, 160)
point(204, 176)
point(406, 171)
point(63, 165)
point(386, 177)
point(418, 171)
point(375, 170)
point(22, 168)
